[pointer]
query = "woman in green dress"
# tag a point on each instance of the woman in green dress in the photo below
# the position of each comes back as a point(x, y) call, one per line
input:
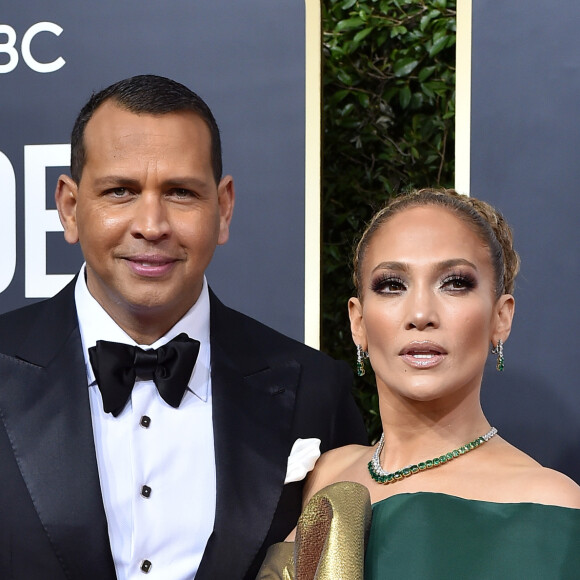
point(434, 273)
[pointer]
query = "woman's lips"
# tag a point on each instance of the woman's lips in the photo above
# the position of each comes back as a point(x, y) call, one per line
point(423, 354)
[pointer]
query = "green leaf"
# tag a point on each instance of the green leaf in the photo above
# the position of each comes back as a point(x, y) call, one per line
point(349, 24)
point(417, 101)
point(381, 38)
point(346, 110)
point(427, 90)
point(425, 73)
point(362, 34)
point(405, 97)
point(405, 66)
point(426, 20)
point(440, 39)
point(398, 31)
point(348, 4)
point(437, 87)
point(363, 99)
point(364, 13)
point(344, 77)
point(339, 96)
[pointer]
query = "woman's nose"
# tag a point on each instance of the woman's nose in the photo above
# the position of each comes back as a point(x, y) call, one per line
point(422, 310)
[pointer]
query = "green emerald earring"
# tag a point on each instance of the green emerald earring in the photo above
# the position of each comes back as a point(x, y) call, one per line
point(499, 351)
point(360, 360)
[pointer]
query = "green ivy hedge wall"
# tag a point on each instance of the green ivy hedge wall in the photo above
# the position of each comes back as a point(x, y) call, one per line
point(388, 125)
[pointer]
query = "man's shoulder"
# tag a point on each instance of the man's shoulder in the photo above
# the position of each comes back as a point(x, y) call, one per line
point(16, 323)
point(23, 313)
point(47, 315)
point(248, 333)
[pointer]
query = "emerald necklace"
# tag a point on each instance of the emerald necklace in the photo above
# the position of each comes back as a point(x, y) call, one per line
point(382, 476)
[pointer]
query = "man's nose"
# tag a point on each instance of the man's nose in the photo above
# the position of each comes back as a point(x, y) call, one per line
point(150, 220)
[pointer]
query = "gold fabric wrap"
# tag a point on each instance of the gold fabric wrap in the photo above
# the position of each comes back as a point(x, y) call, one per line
point(331, 536)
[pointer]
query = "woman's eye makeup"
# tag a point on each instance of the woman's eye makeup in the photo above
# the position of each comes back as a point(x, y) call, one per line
point(388, 284)
point(458, 281)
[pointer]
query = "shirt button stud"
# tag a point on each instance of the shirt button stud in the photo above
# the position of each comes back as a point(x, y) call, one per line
point(145, 566)
point(146, 492)
point(145, 422)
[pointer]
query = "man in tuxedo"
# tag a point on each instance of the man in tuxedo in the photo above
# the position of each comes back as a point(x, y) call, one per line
point(145, 428)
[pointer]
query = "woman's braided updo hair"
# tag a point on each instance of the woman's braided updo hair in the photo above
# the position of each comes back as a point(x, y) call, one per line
point(487, 222)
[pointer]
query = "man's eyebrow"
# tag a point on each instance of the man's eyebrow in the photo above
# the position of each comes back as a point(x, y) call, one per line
point(189, 181)
point(114, 181)
point(122, 180)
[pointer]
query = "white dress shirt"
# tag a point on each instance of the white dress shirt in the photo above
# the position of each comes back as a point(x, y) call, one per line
point(158, 531)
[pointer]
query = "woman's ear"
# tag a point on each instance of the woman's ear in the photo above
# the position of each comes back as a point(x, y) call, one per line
point(504, 314)
point(357, 325)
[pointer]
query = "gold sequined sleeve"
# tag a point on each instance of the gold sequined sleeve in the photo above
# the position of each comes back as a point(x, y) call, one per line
point(330, 538)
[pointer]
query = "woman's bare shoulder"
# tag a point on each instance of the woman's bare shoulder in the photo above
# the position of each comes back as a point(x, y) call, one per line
point(550, 487)
point(340, 464)
point(532, 482)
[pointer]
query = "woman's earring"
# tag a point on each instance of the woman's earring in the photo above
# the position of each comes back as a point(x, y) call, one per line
point(499, 351)
point(360, 360)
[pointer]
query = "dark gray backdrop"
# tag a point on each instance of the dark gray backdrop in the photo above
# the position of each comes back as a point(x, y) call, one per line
point(525, 142)
point(246, 59)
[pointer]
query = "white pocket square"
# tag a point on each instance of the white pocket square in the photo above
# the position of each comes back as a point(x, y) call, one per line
point(302, 458)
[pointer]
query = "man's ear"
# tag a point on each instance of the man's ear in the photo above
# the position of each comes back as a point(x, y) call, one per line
point(66, 204)
point(226, 201)
point(357, 325)
point(504, 314)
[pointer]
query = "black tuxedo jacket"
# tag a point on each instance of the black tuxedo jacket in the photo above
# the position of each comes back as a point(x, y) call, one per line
point(267, 390)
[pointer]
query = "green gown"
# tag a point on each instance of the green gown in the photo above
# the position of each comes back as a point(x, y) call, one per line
point(433, 536)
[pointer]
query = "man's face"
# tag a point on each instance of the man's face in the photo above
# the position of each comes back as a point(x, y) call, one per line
point(147, 212)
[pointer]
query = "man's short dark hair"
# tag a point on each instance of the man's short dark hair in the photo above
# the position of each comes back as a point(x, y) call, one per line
point(145, 94)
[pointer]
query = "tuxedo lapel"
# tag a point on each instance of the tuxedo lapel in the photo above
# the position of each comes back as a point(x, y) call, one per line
point(44, 405)
point(253, 406)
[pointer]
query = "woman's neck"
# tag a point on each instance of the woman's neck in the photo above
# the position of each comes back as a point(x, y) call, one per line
point(422, 430)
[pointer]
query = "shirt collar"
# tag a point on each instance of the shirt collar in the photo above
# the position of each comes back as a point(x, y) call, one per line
point(96, 324)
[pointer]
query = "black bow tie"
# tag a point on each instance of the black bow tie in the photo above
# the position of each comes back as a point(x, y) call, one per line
point(117, 365)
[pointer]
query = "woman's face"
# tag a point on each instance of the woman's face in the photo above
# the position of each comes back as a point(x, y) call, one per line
point(428, 312)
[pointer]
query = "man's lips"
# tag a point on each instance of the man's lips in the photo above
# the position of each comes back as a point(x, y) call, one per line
point(151, 266)
point(423, 354)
